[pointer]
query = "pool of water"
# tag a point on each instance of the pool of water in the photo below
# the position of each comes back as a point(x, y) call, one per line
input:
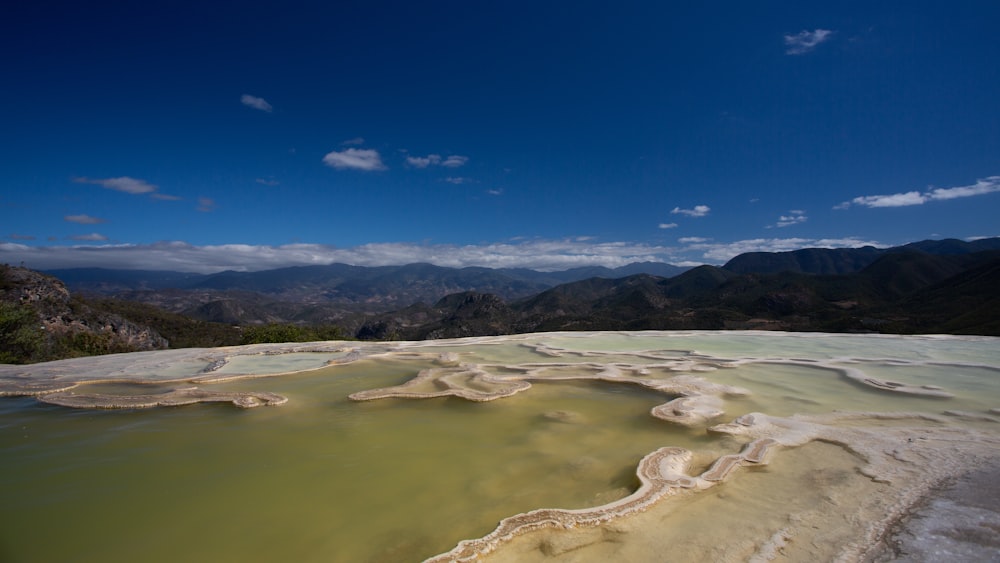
point(325, 478)
point(319, 479)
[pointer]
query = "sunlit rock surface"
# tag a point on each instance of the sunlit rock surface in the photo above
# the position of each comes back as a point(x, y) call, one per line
point(774, 446)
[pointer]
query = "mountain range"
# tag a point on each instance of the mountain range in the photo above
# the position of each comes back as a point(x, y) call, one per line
point(929, 286)
point(323, 293)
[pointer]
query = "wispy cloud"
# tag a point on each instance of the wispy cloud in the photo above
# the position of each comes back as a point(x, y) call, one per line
point(255, 103)
point(165, 197)
point(206, 204)
point(805, 41)
point(891, 200)
point(15, 236)
point(457, 180)
point(981, 187)
point(121, 184)
point(94, 237)
point(794, 217)
point(354, 141)
point(354, 159)
point(697, 211)
point(84, 219)
point(667, 225)
point(453, 161)
point(128, 185)
point(267, 182)
point(423, 161)
point(495, 191)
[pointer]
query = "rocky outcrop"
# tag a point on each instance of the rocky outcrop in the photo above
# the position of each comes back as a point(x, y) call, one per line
point(68, 326)
point(31, 287)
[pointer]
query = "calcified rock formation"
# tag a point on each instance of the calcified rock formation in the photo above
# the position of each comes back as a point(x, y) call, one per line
point(908, 467)
point(57, 382)
point(661, 473)
point(698, 401)
point(177, 397)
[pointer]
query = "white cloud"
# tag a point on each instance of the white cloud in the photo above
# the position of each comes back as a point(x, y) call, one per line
point(667, 225)
point(121, 184)
point(698, 211)
point(805, 41)
point(354, 159)
point(495, 191)
point(255, 102)
point(423, 161)
point(891, 200)
point(455, 161)
point(795, 217)
point(536, 254)
point(84, 219)
point(982, 186)
point(457, 180)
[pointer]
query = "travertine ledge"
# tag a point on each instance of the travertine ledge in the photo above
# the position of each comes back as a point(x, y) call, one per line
point(912, 467)
point(661, 473)
point(174, 398)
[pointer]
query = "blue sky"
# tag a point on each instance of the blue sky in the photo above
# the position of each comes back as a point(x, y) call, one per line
point(241, 135)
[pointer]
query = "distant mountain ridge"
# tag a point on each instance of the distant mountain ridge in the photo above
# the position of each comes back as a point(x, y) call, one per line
point(854, 289)
point(846, 260)
point(378, 287)
point(906, 292)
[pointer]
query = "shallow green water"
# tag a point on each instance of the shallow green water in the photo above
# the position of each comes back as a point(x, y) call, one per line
point(323, 478)
point(319, 479)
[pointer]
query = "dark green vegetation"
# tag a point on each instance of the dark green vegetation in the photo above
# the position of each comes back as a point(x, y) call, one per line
point(944, 286)
point(21, 340)
point(290, 333)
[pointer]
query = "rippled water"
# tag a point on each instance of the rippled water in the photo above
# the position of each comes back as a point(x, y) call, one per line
point(324, 478)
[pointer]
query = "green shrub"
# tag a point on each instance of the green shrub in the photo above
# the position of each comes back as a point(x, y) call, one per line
point(276, 333)
point(22, 339)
